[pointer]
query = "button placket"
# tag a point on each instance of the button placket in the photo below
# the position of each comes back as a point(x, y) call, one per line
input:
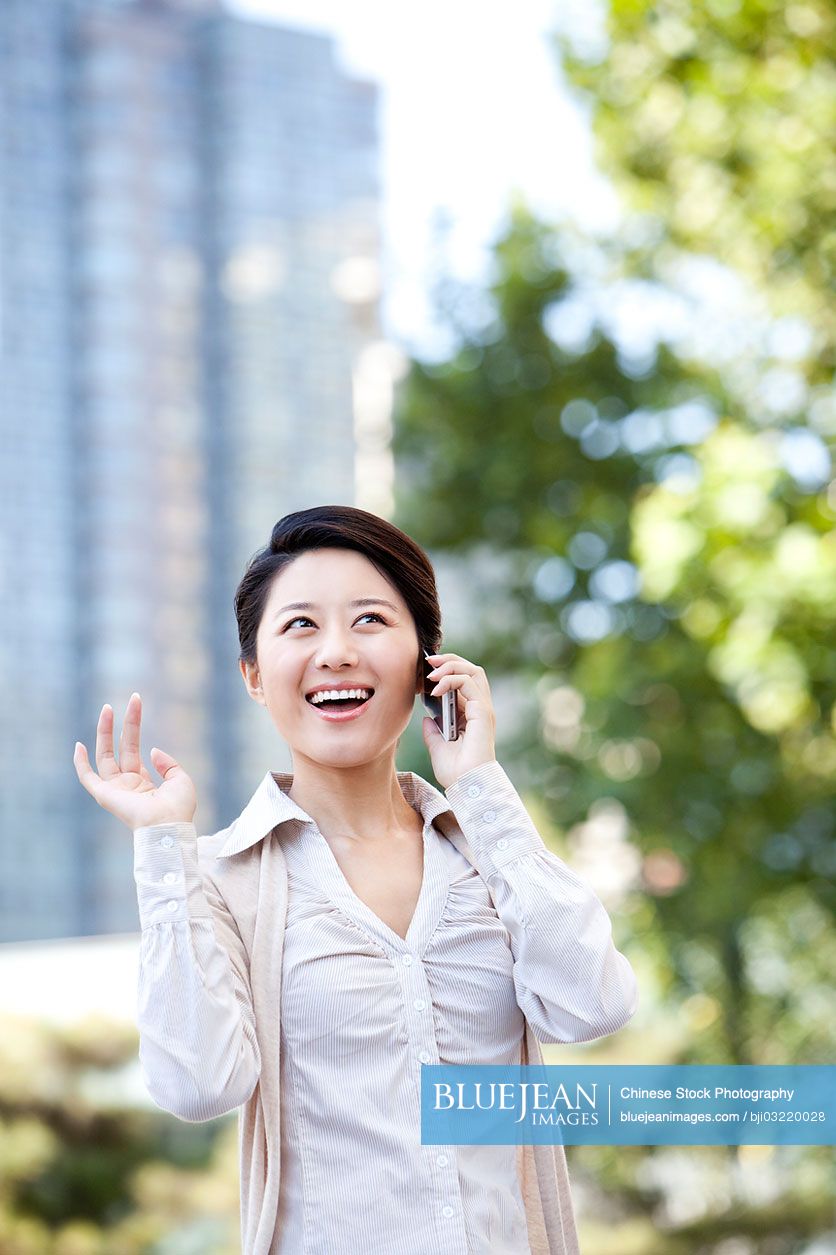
point(425, 1027)
point(449, 1179)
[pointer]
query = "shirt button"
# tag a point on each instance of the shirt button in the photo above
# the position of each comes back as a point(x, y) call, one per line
point(406, 960)
point(170, 877)
point(473, 790)
point(425, 1056)
point(166, 842)
point(502, 843)
point(172, 905)
point(447, 1211)
point(489, 816)
point(419, 1004)
point(441, 1160)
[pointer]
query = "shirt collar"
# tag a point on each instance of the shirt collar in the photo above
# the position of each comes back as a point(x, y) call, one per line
point(270, 806)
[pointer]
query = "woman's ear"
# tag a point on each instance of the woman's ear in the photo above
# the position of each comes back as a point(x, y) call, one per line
point(252, 679)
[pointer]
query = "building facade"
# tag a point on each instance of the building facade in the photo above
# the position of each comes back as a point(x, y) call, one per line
point(189, 252)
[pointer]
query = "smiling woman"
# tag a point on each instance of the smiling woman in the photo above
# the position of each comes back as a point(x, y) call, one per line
point(370, 611)
point(353, 923)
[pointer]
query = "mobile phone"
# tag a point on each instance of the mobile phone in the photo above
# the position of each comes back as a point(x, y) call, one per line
point(442, 706)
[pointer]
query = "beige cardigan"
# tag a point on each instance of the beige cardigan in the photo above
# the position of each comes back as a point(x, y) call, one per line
point(245, 899)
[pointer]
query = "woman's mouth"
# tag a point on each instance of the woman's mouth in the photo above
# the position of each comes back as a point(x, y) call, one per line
point(339, 711)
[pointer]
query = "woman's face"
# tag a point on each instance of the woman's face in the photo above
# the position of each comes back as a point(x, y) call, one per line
point(335, 643)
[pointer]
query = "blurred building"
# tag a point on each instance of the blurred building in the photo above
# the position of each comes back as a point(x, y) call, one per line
point(189, 261)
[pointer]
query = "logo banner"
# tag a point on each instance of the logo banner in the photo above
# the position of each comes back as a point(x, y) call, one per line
point(628, 1105)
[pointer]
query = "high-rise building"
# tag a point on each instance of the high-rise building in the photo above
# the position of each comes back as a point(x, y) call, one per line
point(189, 260)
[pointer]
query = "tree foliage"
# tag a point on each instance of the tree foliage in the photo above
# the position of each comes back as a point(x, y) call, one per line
point(715, 119)
point(682, 673)
point(82, 1172)
point(664, 543)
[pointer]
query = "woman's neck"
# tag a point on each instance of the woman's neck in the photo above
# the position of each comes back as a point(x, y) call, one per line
point(360, 803)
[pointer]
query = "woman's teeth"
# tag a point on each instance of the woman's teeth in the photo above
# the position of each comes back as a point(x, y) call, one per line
point(339, 695)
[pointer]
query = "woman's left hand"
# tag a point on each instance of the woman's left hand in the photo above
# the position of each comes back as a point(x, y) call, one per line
point(475, 715)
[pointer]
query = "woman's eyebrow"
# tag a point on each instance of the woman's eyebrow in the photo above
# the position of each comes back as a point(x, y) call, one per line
point(359, 601)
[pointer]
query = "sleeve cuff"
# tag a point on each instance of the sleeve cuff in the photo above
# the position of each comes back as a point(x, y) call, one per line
point(167, 874)
point(493, 818)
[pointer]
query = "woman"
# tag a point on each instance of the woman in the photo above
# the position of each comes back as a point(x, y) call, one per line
point(354, 923)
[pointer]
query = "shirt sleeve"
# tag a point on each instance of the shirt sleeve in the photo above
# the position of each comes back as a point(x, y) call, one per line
point(198, 1050)
point(571, 982)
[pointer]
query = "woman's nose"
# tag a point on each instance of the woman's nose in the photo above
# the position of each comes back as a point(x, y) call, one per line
point(336, 648)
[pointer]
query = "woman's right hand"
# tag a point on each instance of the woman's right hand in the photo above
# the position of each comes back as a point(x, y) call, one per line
point(126, 788)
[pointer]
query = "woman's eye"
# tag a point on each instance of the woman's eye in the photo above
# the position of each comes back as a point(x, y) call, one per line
point(303, 619)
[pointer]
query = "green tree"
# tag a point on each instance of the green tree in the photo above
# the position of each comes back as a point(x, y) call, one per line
point(82, 1173)
point(626, 524)
point(661, 533)
point(715, 120)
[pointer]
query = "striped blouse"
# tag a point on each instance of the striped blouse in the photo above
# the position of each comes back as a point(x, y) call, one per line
point(512, 935)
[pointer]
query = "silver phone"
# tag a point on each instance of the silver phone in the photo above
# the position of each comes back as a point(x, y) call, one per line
point(443, 707)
